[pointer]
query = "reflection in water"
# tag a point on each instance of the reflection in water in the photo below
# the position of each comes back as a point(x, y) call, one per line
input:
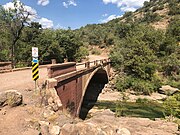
point(90, 98)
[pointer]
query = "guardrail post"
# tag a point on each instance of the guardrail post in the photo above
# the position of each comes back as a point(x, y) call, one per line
point(53, 61)
point(87, 64)
point(96, 62)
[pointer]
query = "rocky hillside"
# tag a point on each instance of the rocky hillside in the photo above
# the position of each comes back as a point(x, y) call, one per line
point(156, 13)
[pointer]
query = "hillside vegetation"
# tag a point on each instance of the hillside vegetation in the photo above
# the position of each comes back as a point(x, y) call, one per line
point(144, 45)
point(156, 13)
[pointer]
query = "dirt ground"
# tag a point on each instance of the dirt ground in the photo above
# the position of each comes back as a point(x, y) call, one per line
point(19, 120)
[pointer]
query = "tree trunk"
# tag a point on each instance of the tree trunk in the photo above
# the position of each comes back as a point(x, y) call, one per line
point(12, 55)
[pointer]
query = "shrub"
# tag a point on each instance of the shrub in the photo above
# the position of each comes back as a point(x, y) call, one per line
point(142, 86)
point(150, 17)
point(95, 51)
point(172, 65)
point(174, 83)
point(172, 106)
point(142, 100)
point(174, 7)
point(123, 83)
point(82, 53)
point(138, 85)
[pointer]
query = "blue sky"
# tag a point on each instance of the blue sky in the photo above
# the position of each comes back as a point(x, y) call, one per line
point(76, 13)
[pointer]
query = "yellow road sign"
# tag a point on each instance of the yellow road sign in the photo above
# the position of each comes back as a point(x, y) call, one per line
point(35, 71)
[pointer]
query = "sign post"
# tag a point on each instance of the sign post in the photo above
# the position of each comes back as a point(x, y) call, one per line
point(35, 65)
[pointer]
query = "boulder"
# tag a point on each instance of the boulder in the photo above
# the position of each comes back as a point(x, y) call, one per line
point(44, 127)
point(11, 97)
point(167, 90)
point(45, 130)
point(105, 123)
point(102, 123)
point(54, 130)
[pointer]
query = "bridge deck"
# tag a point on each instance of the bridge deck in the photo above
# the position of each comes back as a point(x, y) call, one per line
point(21, 80)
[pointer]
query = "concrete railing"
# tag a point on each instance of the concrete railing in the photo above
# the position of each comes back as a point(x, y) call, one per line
point(59, 69)
point(60, 72)
point(63, 68)
point(89, 64)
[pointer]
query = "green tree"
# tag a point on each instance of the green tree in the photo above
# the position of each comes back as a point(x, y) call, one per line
point(70, 42)
point(30, 37)
point(174, 28)
point(16, 19)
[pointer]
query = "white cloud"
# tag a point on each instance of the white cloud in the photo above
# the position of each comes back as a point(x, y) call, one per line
point(59, 26)
point(109, 18)
point(69, 3)
point(33, 13)
point(126, 5)
point(125, 9)
point(43, 2)
point(65, 4)
point(104, 15)
point(46, 23)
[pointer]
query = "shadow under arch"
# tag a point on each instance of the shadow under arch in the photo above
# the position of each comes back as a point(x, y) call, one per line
point(94, 88)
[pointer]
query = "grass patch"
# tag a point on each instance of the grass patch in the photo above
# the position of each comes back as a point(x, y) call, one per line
point(149, 109)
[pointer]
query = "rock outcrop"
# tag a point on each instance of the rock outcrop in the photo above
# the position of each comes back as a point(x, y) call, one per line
point(11, 98)
point(167, 90)
point(105, 123)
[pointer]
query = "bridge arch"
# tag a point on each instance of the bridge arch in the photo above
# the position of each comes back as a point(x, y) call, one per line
point(93, 87)
point(69, 82)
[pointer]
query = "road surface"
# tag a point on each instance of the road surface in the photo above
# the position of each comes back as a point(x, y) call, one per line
point(21, 80)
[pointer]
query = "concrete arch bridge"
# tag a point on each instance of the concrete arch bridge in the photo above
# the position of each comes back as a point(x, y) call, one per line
point(74, 85)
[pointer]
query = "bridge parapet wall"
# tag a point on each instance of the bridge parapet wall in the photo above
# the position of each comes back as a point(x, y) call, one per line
point(59, 69)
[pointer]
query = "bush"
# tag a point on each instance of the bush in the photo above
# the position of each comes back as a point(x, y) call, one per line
point(143, 87)
point(172, 106)
point(138, 85)
point(142, 100)
point(174, 7)
point(171, 65)
point(160, 7)
point(174, 82)
point(150, 17)
point(123, 83)
point(82, 53)
point(95, 51)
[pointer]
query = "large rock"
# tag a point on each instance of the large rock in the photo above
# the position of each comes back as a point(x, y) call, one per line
point(11, 97)
point(54, 130)
point(104, 123)
point(167, 90)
